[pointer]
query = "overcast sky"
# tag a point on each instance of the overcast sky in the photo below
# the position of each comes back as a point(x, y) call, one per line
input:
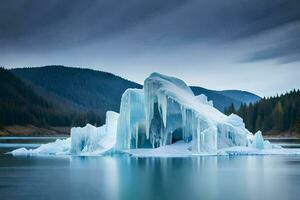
point(233, 44)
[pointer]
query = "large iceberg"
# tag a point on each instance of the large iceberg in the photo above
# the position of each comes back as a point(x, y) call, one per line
point(166, 111)
point(174, 112)
point(164, 116)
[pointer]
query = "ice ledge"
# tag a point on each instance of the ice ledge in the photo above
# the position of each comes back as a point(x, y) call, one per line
point(181, 149)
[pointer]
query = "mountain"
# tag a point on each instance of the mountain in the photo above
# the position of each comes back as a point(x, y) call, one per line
point(242, 96)
point(223, 99)
point(21, 105)
point(81, 89)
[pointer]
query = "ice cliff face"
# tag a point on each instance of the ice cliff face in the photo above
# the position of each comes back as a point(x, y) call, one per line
point(131, 120)
point(163, 112)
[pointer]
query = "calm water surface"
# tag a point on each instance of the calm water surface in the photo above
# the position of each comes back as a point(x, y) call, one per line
point(125, 177)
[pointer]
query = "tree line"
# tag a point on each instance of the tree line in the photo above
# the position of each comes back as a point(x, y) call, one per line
point(273, 115)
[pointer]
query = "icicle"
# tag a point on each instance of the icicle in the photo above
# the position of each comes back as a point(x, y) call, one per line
point(163, 104)
point(183, 117)
point(198, 136)
point(136, 135)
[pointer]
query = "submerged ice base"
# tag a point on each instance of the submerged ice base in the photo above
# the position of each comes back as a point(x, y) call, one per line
point(178, 149)
point(163, 118)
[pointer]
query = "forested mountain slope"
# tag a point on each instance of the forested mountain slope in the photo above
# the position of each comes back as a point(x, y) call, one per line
point(83, 88)
point(272, 115)
point(21, 105)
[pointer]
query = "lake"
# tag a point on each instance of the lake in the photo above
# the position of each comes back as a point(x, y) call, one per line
point(125, 177)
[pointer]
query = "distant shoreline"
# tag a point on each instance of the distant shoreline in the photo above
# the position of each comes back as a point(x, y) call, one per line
point(30, 130)
point(283, 135)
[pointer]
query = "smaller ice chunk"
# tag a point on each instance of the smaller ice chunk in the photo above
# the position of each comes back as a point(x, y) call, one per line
point(258, 140)
point(59, 147)
point(85, 139)
point(88, 140)
point(91, 139)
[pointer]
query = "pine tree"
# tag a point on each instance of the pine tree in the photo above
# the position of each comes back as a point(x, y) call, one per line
point(277, 116)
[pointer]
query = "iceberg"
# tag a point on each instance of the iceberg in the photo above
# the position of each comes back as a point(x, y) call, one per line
point(59, 147)
point(163, 118)
point(88, 140)
point(258, 140)
point(91, 139)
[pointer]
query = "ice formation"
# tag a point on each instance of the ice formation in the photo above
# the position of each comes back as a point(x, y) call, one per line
point(59, 147)
point(131, 120)
point(165, 115)
point(88, 140)
point(91, 139)
point(174, 112)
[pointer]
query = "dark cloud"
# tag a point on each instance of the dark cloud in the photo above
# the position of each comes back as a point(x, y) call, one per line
point(285, 47)
point(56, 23)
point(70, 22)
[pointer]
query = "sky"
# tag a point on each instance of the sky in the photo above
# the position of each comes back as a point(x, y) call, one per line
point(233, 44)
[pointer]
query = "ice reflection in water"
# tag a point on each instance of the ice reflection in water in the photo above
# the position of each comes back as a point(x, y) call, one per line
point(124, 177)
point(94, 178)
